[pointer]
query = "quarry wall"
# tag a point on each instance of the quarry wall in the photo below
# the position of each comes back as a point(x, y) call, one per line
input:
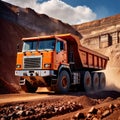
point(100, 33)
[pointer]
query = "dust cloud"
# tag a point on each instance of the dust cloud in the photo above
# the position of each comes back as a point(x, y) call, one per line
point(112, 78)
point(112, 71)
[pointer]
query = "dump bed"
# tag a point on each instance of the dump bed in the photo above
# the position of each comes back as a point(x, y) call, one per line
point(92, 59)
point(84, 57)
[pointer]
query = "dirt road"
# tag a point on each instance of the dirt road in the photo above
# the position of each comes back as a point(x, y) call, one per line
point(72, 106)
point(104, 105)
point(10, 98)
point(22, 97)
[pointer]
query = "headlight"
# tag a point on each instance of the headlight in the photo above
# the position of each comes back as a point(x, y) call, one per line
point(18, 66)
point(47, 65)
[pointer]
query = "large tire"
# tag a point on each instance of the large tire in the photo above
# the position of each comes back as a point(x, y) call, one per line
point(95, 81)
point(28, 87)
point(63, 83)
point(102, 80)
point(86, 81)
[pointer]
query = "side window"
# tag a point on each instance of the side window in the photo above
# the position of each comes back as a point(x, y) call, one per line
point(59, 46)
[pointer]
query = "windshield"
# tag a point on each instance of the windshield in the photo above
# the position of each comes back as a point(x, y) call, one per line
point(48, 44)
point(29, 45)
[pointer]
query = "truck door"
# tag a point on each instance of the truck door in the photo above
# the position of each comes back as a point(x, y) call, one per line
point(61, 52)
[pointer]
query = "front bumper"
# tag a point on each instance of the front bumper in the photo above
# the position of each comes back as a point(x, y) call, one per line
point(42, 73)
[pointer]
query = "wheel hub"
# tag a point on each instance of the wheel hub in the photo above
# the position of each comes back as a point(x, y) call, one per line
point(64, 82)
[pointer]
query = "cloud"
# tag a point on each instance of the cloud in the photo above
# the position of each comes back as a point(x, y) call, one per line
point(59, 10)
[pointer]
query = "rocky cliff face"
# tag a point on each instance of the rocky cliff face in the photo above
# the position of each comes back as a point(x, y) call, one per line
point(98, 27)
point(100, 33)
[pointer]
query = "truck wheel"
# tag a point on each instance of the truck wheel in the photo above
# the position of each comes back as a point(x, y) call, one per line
point(28, 87)
point(63, 83)
point(95, 81)
point(87, 83)
point(102, 80)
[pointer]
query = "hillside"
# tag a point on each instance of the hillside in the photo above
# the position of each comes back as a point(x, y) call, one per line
point(40, 23)
point(10, 35)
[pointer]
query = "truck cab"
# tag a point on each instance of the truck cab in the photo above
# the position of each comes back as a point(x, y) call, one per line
point(39, 61)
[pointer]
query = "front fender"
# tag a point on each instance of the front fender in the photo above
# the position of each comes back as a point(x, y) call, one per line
point(65, 67)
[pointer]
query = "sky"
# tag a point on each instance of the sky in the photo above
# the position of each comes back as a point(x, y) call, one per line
point(72, 11)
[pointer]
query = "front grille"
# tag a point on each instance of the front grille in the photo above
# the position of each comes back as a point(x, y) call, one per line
point(32, 62)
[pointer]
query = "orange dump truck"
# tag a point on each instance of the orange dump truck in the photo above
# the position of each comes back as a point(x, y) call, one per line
point(60, 63)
